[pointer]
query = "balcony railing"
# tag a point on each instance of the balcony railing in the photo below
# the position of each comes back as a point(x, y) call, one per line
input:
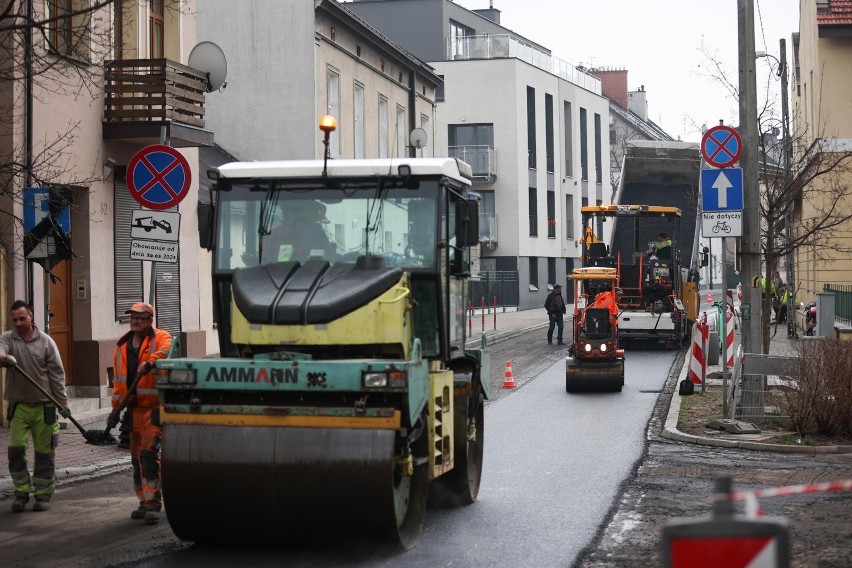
point(488, 229)
point(482, 160)
point(145, 96)
point(506, 46)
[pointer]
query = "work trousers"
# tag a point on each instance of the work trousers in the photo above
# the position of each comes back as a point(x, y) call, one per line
point(40, 422)
point(556, 320)
point(145, 441)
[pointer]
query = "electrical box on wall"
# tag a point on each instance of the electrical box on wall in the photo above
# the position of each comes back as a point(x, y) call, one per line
point(82, 293)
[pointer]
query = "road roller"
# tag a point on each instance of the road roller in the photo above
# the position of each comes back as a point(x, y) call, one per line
point(595, 362)
point(345, 397)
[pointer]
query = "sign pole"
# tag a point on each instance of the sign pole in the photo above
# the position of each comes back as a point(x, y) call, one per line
point(724, 335)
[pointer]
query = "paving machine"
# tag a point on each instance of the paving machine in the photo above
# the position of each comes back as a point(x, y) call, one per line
point(344, 391)
point(659, 302)
point(595, 362)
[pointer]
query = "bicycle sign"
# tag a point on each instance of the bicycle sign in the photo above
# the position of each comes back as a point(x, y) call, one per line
point(721, 224)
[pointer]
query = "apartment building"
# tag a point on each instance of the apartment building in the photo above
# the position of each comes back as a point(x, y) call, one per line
point(105, 83)
point(317, 59)
point(534, 128)
point(822, 131)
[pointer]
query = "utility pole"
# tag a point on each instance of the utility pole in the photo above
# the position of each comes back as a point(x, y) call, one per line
point(787, 147)
point(751, 337)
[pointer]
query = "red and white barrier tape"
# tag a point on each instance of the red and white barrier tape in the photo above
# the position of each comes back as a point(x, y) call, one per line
point(752, 507)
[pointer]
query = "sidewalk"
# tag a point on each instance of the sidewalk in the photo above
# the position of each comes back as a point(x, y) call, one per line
point(75, 459)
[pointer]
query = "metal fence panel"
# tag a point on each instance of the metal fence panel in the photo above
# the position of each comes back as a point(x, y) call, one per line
point(499, 284)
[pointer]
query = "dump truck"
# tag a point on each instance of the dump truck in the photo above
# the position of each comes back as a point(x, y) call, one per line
point(654, 174)
point(594, 362)
point(344, 392)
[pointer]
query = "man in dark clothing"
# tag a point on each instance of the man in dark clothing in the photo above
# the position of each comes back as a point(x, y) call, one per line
point(555, 306)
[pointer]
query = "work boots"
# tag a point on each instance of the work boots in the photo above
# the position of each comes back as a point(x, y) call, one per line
point(139, 513)
point(41, 504)
point(150, 516)
point(20, 503)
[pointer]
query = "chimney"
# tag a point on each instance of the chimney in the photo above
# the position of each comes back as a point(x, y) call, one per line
point(490, 14)
point(613, 84)
point(638, 103)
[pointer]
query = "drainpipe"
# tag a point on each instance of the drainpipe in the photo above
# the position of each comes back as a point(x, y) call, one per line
point(28, 127)
point(412, 111)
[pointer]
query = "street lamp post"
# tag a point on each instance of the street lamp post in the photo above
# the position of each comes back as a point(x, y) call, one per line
point(787, 152)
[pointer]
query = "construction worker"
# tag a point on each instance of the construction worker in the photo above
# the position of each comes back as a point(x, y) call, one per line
point(134, 355)
point(763, 283)
point(610, 302)
point(663, 247)
point(30, 352)
point(785, 296)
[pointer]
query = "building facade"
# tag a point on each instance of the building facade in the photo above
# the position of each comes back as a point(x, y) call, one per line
point(105, 83)
point(318, 59)
point(822, 133)
point(534, 128)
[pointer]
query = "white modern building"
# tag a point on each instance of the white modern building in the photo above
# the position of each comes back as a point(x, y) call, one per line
point(534, 128)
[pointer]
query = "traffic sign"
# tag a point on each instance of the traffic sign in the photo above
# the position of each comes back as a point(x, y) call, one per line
point(37, 204)
point(155, 225)
point(155, 251)
point(722, 190)
point(721, 224)
point(721, 146)
point(158, 177)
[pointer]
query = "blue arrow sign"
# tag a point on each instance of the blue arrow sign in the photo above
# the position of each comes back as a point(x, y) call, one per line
point(722, 190)
point(37, 207)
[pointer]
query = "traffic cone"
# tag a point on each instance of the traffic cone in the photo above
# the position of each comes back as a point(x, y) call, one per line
point(509, 378)
point(709, 297)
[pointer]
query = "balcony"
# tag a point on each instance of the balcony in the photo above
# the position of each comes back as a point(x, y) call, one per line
point(488, 230)
point(506, 46)
point(482, 160)
point(151, 99)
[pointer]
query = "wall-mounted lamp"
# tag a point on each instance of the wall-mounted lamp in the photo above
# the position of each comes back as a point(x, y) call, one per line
point(109, 165)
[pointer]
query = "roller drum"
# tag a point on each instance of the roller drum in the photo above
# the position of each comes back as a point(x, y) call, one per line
point(594, 377)
point(274, 485)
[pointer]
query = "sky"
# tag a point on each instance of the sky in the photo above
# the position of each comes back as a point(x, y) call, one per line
point(661, 44)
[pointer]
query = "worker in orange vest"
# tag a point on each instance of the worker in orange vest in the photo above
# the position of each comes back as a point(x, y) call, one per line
point(610, 302)
point(136, 352)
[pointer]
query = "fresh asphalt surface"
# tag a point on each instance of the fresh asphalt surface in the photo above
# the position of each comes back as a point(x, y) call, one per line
point(554, 464)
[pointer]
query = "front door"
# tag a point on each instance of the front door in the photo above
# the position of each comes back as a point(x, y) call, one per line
point(60, 314)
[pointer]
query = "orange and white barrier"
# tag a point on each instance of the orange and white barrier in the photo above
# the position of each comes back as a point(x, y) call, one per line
point(509, 377)
point(697, 357)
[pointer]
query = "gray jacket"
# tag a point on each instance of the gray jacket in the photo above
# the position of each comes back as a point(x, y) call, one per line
point(39, 358)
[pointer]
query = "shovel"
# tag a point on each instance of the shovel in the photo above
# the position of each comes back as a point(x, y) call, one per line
point(91, 437)
point(104, 438)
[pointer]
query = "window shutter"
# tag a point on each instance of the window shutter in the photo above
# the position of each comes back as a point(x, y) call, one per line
point(128, 273)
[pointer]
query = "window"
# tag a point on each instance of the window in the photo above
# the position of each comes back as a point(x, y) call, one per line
point(569, 217)
point(383, 126)
point(487, 216)
point(401, 138)
point(548, 130)
point(551, 214)
point(533, 199)
point(551, 271)
point(439, 90)
point(598, 165)
point(531, 128)
point(359, 120)
point(156, 29)
point(533, 261)
point(584, 151)
point(569, 140)
point(333, 94)
point(459, 44)
point(69, 34)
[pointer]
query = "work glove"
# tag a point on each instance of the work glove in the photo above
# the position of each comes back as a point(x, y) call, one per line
point(65, 412)
point(9, 361)
point(146, 367)
point(112, 421)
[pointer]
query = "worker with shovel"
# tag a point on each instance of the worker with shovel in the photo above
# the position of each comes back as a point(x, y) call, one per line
point(34, 389)
point(136, 387)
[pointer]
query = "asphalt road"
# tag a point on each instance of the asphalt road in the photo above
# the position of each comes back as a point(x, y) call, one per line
point(554, 465)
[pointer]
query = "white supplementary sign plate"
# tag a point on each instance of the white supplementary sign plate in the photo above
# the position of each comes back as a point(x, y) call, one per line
point(721, 224)
point(155, 251)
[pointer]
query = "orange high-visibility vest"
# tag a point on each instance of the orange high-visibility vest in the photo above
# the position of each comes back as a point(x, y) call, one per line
point(155, 345)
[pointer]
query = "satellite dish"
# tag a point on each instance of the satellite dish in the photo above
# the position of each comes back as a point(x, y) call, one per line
point(209, 58)
point(418, 138)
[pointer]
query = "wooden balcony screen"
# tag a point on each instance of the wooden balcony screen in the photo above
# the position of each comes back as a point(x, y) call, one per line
point(154, 90)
